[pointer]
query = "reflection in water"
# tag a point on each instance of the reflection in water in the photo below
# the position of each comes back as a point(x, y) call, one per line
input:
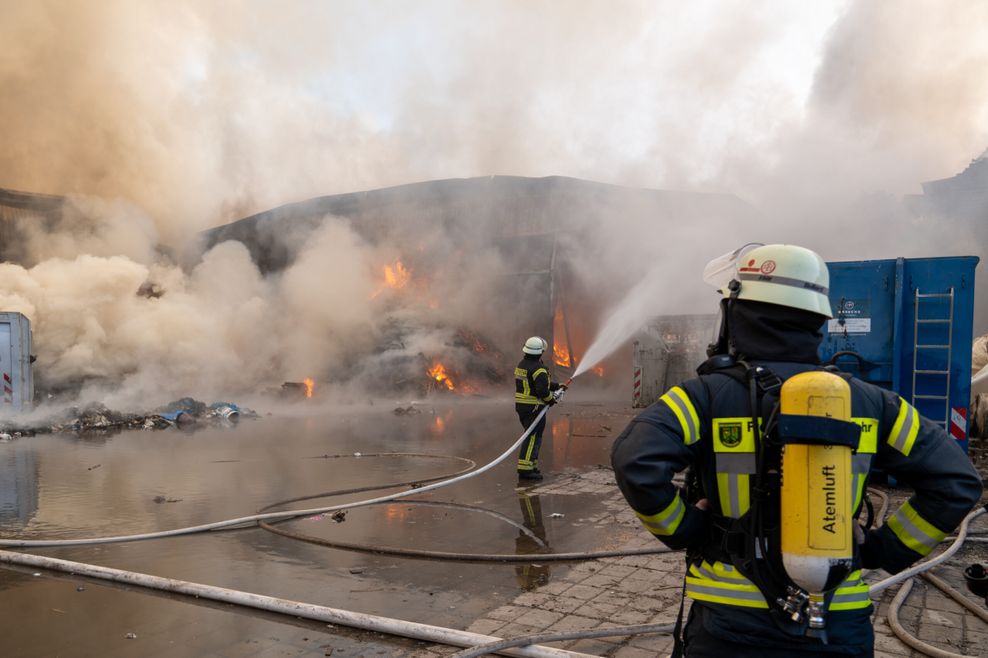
point(68, 486)
point(530, 575)
point(18, 487)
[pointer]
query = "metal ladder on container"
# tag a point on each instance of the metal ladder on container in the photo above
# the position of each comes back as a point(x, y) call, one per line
point(917, 346)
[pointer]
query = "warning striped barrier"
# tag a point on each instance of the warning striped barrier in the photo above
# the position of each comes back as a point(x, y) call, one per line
point(958, 423)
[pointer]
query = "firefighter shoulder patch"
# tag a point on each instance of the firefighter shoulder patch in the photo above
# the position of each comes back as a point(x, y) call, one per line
point(729, 434)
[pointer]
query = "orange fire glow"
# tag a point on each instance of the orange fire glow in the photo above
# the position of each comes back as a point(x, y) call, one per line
point(397, 275)
point(599, 371)
point(438, 372)
point(310, 386)
point(561, 355)
point(560, 346)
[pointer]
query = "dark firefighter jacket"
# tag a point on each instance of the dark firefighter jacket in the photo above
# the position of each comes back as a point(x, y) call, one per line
point(697, 424)
point(532, 384)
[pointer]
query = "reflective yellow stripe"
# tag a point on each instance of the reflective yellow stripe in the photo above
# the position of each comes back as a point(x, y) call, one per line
point(525, 395)
point(861, 461)
point(914, 531)
point(720, 583)
point(905, 429)
point(679, 402)
point(853, 594)
point(535, 375)
point(734, 449)
point(734, 493)
point(667, 521)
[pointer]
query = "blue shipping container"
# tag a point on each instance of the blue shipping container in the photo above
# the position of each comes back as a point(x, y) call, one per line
point(910, 320)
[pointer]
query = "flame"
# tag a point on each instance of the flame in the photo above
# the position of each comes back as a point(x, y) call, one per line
point(438, 372)
point(440, 424)
point(561, 354)
point(396, 276)
point(599, 371)
point(310, 386)
point(560, 348)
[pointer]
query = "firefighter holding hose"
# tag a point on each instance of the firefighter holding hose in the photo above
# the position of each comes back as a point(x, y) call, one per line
point(778, 451)
point(533, 390)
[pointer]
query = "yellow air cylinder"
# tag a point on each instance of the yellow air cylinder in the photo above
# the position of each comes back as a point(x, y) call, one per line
point(816, 503)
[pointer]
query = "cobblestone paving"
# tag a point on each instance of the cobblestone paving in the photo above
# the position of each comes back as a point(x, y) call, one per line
point(646, 589)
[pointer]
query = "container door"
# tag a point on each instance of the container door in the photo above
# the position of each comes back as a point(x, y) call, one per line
point(6, 367)
point(862, 299)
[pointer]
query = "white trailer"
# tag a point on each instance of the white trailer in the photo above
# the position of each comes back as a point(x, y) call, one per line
point(667, 351)
point(15, 363)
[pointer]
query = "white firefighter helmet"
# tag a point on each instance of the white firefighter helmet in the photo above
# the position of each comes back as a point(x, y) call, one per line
point(534, 346)
point(786, 275)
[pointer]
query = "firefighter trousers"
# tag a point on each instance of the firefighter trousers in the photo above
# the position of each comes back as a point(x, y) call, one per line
point(528, 455)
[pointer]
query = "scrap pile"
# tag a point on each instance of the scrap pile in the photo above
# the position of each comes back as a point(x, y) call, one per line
point(96, 418)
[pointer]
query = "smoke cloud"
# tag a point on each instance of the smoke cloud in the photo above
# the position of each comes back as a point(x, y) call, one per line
point(161, 119)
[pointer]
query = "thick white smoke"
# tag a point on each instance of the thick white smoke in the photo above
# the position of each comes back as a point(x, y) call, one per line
point(161, 119)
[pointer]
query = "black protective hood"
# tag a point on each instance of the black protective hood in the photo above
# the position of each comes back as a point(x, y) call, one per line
point(769, 332)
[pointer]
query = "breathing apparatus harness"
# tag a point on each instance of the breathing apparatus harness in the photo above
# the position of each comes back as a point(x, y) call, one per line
point(752, 543)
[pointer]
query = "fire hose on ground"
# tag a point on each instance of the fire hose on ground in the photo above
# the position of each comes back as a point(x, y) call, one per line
point(480, 644)
point(361, 621)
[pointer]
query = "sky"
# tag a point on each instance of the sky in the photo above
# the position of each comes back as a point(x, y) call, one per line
point(165, 117)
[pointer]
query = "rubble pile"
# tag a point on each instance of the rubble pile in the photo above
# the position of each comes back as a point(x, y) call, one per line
point(96, 418)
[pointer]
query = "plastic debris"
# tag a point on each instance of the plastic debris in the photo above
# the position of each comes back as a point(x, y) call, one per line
point(556, 515)
point(131, 636)
point(96, 418)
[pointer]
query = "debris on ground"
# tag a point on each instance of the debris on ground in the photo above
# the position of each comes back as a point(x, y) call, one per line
point(96, 418)
point(339, 516)
point(162, 499)
point(410, 410)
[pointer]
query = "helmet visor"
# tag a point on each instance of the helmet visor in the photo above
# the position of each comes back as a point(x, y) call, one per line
point(721, 270)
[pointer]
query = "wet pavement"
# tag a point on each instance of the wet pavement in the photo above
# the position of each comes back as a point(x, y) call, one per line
point(68, 486)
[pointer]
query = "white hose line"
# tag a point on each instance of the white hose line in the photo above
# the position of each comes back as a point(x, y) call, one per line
point(414, 630)
point(905, 636)
point(270, 516)
point(962, 600)
point(929, 564)
point(496, 647)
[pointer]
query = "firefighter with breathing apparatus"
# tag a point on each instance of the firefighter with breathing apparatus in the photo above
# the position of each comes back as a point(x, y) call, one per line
point(779, 449)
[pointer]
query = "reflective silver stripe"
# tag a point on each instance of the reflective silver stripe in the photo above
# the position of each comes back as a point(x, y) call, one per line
point(736, 462)
point(899, 442)
point(734, 492)
point(860, 465)
point(709, 574)
point(850, 597)
point(915, 532)
point(667, 521)
point(713, 590)
point(784, 281)
point(672, 397)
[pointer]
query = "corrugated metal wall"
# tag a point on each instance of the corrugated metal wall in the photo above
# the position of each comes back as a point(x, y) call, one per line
point(17, 207)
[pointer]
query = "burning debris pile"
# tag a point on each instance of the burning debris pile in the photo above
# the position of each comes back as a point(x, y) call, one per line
point(414, 290)
point(415, 360)
point(96, 418)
